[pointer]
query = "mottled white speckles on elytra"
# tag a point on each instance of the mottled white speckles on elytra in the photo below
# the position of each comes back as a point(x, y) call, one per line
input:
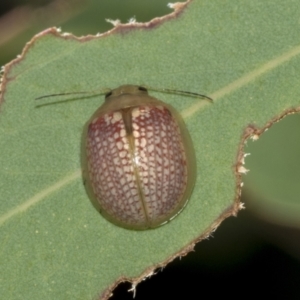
point(107, 119)
point(130, 179)
point(122, 132)
point(122, 154)
point(119, 145)
point(116, 117)
point(127, 169)
point(157, 140)
point(127, 195)
point(143, 142)
point(136, 134)
point(159, 160)
point(159, 169)
point(158, 151)
point(135, 113)
point(142, 161)
point(119, 170)
point(163, 145)
point(126, 146)
point(151, 161)
point(135, 126)
point(152, 173)
point(146, 190)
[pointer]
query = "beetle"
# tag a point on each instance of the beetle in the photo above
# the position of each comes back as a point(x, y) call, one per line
point(138, 160)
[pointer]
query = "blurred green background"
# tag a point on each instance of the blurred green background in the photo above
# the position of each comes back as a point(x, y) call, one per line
point(259, 250)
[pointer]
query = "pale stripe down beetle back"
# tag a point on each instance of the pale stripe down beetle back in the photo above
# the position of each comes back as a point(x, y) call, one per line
point(139, 163)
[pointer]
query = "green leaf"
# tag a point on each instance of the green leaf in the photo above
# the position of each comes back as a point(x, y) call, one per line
point(54, 244)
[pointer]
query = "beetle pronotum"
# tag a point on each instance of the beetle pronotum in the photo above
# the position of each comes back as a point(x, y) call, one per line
point(138, 160)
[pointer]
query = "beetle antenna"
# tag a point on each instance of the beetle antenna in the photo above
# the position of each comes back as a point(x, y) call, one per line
point(185, 93)
point(189, 94)
point(59, 94)
point(99, 92)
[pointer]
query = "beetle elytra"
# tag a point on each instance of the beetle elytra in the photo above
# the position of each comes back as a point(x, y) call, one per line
point(138, 159)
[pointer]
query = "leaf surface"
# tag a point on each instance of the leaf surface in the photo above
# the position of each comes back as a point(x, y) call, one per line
point(53, 242)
